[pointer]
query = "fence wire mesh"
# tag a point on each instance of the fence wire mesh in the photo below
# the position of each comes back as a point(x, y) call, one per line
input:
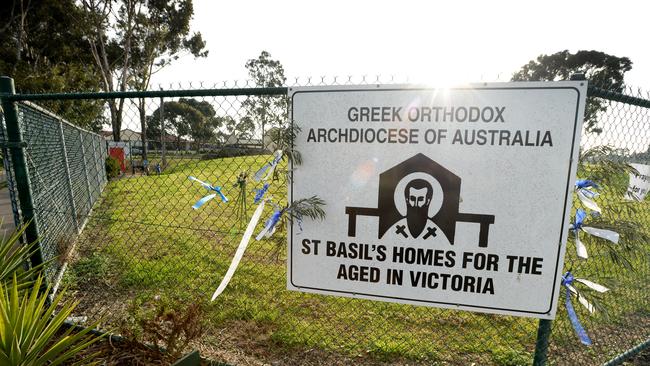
point(143, 244)
point(613, 138)
point(66, 165)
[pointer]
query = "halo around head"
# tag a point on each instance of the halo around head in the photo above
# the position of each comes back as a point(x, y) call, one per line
point(436, 199)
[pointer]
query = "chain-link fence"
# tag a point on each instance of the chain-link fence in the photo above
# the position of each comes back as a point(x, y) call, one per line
point(143, 244)
point(616, 135)
point(65, 170)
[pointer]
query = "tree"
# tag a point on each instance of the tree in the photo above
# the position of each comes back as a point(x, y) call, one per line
point(601, 69)
point(202, 129)
point(265, 111)
point(109, 36)
point(132, 39)
point(245, 129)
point(49, 61)
point(162, 35)
point(185, 118)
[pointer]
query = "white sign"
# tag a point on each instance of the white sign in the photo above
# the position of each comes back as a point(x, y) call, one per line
point(639, 184)
point(456, 198)
point(125, 146)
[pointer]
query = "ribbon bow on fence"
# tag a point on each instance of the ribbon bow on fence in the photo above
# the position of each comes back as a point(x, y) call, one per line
point(586, 194)
point(259, 193)
point(269, 227)
point(309, 207)
point(207, 198)
point(259, 175)
point(567, 281)
point(601, 233)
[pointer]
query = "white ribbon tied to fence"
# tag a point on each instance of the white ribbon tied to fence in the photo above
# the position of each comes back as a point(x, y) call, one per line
point(243, 244)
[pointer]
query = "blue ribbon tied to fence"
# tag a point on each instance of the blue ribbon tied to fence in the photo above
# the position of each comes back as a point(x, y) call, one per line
point(259, 193)
point(586, 194)
point(268, 168)
point(269, 227)
point(207, 198)
point(578, 226)
point(568, 281)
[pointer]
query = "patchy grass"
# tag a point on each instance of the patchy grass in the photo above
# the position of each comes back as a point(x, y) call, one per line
point(144, 240)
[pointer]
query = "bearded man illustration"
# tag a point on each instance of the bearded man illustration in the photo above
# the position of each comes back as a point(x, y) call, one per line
point(418, 203)
point(416, 223)
point(418, 194)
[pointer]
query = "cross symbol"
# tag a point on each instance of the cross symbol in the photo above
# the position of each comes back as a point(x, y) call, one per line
point(431, 231)
point(400, 230)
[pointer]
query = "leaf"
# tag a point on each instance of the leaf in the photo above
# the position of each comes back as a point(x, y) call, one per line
point(311, 207)
point(14, 259)
point(32, 331)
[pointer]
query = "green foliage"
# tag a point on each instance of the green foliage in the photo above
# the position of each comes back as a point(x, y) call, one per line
point(112, 167)
point(130, 40)
point(265, 111)
point(187, 117)
point(13, 258)
point(601, 69)
point(49, 61)
point(311, 208)
point(31, 331)
point(93, 268)
point(283, 139)
point(161, 34)
point(603, 165)
point(510, 357)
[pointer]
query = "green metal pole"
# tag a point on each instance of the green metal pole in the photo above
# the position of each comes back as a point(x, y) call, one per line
point(541, 346)
point(620, 359)
point(21, 170)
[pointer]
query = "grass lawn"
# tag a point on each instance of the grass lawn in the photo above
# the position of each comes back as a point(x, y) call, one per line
point(144, 240)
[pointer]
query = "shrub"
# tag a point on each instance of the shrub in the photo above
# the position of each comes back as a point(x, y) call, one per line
point(168, 323)
point(13, 256)
point(31, 331)
point(112, 167)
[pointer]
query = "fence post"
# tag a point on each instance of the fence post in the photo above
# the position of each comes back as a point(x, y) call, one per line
point(97, 160)
point(162, 133)
point(541, 345)
point(131, 158)
point(105, 154)
point(21, 170)
point(85, 169)
point(67, 175)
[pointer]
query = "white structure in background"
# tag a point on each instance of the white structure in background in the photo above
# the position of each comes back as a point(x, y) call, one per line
point(131, 141)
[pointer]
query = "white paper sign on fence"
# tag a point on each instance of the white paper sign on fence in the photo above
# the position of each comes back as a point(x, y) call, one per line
point(456, 198)
point(639, 183)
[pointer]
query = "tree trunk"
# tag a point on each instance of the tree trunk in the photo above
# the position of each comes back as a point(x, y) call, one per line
point(163, 148)
point(116, 120)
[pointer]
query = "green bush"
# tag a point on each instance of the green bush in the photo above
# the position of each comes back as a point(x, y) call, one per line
point(112, 167)
point(13, 256)
point(32, 330)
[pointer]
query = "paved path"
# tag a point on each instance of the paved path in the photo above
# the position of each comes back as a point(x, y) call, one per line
point(6, 213)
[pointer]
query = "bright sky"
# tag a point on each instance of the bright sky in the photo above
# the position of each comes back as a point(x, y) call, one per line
point(429, 42)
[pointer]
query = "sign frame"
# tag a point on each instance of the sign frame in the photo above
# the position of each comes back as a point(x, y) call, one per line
point(579, 87)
